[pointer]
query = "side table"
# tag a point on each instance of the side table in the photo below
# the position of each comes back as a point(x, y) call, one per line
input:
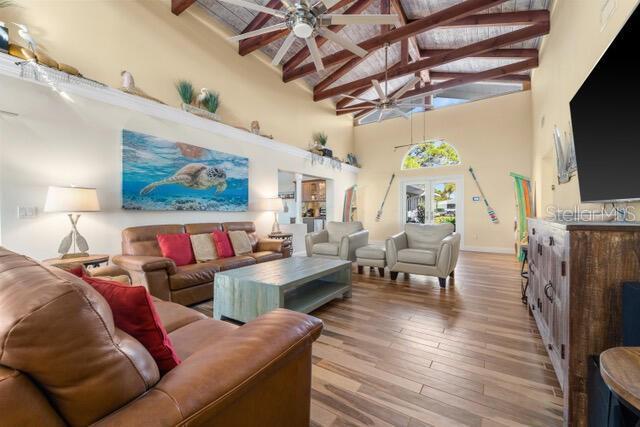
point(287, 245)
point(87, 261)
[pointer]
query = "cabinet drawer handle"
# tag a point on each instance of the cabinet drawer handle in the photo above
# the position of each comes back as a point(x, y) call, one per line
point(547, 287)
point(551, 241)
point(533, 231)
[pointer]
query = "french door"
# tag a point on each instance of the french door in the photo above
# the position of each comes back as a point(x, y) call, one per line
point(432, 200)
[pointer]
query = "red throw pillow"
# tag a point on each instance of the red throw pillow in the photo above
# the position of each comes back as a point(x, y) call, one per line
point(223, 244)
point(134, 313)
point(177, 247)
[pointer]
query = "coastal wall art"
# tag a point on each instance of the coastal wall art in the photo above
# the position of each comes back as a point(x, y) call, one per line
point(161, 175)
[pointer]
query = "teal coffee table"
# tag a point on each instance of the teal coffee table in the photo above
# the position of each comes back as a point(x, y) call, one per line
point(297, 283)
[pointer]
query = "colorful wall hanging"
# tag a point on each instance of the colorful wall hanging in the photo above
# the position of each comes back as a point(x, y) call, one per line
point(161, 175)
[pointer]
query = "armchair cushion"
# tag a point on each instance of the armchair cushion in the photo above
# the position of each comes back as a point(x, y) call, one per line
point(326, 249)
point(338, 230)
point(427, 236)
point(417, 256)
point(145, 263)
point(193, 274)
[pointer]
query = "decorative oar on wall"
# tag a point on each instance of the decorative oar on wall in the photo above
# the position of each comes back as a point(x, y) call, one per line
point(490, 211)
point(379, 214)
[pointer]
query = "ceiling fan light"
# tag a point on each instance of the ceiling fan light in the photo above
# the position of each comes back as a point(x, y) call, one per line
point(302, 30)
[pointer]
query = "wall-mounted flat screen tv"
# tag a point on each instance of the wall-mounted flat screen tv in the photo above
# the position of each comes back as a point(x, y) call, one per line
point(605, 114)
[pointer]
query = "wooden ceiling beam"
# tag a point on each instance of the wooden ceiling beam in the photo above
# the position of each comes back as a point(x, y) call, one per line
point(179, 6)
point(434, 20)
point(524, 17)
point(491, 74)
point(302, 54)
point(513, 78)
point(498, 53)
point(435, 61)
point(410, 44)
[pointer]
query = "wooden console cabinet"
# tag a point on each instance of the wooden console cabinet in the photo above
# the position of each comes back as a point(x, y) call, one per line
point(576, 272)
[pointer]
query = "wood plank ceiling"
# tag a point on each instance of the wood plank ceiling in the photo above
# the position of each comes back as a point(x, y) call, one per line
point(462, 49)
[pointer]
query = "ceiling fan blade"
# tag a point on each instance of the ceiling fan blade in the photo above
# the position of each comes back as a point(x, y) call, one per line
point(329, 3)
point(354, 109)
point(286, 4)
point(370, 113)
point(339, 19)
point(257, 7)
point(343, 41)
point(284, 48)
point(361, 99)
point(403, 113)
point(264, 30)
point(404, 89)
point(382, 113)
point(315, 53)
point(379, 90)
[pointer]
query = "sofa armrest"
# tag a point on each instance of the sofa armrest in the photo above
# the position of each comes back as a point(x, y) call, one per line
point(145, 263)
point(273, 245)
point(313, 238)
point(393, 244)
point(351, 242)
point(258, 375)
point(448, 254)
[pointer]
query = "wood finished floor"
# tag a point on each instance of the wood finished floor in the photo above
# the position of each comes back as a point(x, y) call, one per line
point(408, 353)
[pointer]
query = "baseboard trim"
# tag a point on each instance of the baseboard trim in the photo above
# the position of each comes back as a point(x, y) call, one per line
point(487, 249)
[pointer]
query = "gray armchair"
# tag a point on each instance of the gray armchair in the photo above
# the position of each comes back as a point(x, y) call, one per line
point(429, 249)
point(339, 240)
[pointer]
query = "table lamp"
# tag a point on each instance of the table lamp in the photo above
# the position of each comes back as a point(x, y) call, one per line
point(73, 201)
point(272, 204)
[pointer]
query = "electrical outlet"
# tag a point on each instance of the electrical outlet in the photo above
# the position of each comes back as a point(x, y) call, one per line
point(27, 212)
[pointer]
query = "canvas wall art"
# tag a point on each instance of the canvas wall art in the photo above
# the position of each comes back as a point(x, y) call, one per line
point(161, 175)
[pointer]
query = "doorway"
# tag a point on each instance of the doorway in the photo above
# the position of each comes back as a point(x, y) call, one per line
point(433, 200)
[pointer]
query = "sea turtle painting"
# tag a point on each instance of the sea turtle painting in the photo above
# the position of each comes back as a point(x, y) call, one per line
point(163, 175)
point(193, 175)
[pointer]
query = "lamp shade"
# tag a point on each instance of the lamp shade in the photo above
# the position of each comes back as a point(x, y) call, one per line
point(272, 204)
point(72, 199)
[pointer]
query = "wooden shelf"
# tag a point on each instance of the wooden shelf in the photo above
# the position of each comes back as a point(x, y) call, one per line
point(112, 96)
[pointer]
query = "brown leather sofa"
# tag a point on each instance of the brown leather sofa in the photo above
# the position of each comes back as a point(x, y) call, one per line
point(63, 362)
point(189, 284)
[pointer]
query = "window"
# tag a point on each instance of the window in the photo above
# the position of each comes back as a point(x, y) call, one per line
point(430, 154)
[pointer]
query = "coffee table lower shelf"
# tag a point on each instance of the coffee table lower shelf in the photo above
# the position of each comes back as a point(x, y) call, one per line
point(314, 294)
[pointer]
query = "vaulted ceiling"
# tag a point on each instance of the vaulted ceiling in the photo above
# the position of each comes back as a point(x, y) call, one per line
point(462, 50)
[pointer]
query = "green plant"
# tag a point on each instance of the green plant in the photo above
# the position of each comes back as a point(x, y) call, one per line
point(320, 138)
point(6, 3)
point(211, 102)
point(185, 90)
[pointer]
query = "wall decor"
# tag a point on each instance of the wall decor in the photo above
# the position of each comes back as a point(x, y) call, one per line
point(4, 38)
point(565, 156)
point(129, 86)
point(162, 175)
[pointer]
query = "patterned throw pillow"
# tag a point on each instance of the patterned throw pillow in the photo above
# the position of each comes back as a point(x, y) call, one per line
point(240, 242)
point(203, 247)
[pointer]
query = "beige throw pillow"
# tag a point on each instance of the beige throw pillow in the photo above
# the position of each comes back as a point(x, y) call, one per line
point(203, 247)
point(240, 242)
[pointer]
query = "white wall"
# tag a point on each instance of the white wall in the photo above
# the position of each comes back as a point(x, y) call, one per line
point(54, 142)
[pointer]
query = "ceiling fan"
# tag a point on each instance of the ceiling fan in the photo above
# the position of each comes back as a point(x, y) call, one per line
point(306, 20)
point(386, 104)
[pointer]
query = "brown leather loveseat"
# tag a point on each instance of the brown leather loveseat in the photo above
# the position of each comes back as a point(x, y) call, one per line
point(189, 284)
point(63, 362)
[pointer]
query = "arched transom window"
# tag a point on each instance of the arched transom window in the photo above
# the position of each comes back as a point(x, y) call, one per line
point(430, 154)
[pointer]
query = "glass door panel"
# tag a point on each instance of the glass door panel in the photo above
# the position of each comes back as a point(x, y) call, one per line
point(443, 202)
point(415, 199)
